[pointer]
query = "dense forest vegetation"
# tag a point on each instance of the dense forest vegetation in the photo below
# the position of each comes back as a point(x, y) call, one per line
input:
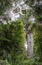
point(20, 32)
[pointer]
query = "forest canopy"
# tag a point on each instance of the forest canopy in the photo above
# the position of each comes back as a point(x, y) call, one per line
point(20, 32)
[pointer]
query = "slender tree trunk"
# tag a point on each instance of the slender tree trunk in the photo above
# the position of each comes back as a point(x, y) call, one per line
point(30, 45)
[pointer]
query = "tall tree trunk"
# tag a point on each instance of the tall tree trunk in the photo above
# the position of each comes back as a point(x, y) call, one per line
point(30, 45)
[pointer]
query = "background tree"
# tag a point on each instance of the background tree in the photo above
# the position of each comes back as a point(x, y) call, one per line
point(28, 25)
point(36, 6)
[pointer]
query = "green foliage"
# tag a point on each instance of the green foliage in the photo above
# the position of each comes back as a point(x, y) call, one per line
point(19, 43)
point(4, 5)
point(12, 38)
point(33, 61)
point(4, 62)
point(30, 2)
point(38, 42)
point(36, 9)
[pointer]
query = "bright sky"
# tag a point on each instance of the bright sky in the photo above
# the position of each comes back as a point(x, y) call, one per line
point(21, 6)
point(13, 15)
